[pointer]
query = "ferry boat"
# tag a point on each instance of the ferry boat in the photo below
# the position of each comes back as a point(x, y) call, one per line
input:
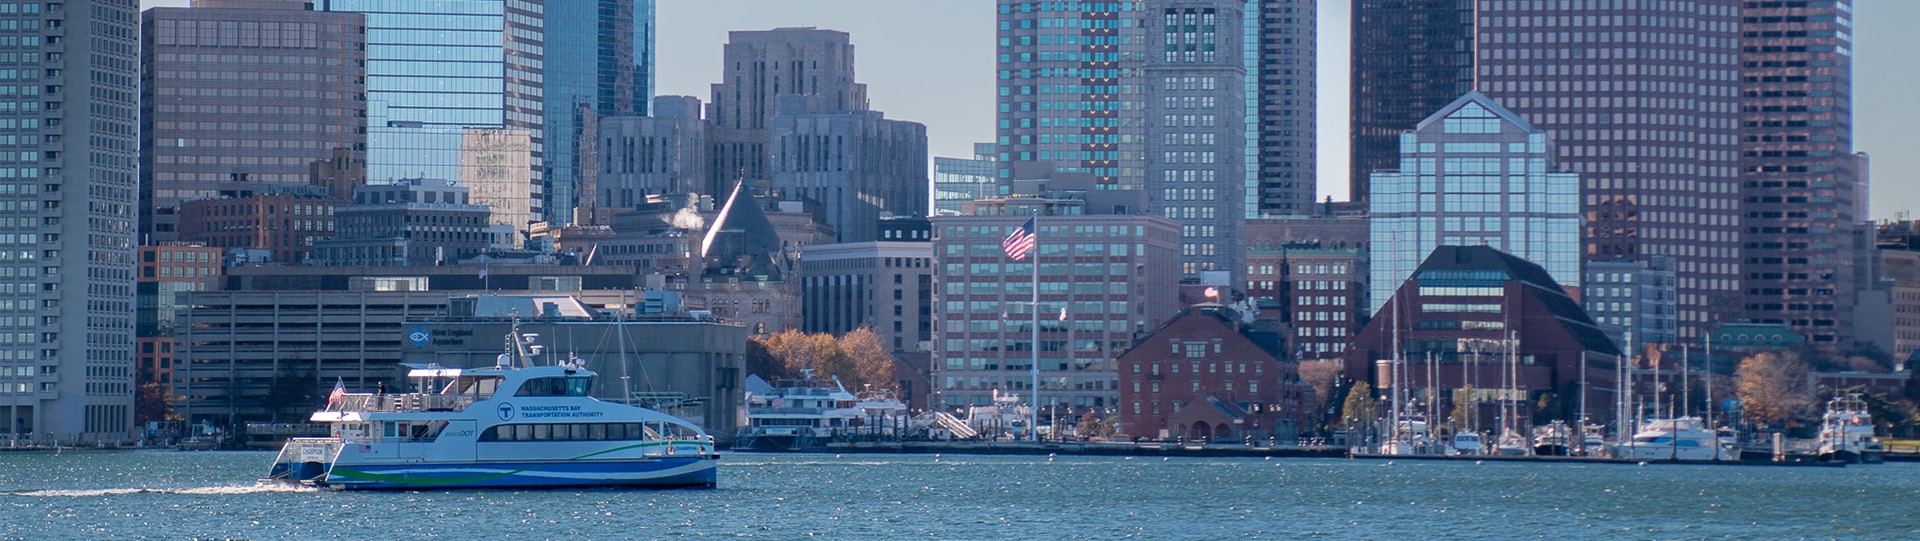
point(1682, 438)
point(1846, 433)
point(798, 415)
point(512, 425)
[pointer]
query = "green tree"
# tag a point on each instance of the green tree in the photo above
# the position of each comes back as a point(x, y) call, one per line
point(1360, 409)
point(1463, 409)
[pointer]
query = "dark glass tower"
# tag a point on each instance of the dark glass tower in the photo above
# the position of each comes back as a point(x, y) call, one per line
point(606, 72)
point(1410, 58)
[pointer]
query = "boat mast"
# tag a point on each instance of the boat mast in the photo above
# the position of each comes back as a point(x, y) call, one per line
point(1710, 378)
point(1686, 389)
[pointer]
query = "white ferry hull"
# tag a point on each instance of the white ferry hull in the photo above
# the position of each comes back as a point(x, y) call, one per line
point(660, 472)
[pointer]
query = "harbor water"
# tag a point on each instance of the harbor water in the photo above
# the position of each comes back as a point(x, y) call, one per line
point(176, 495)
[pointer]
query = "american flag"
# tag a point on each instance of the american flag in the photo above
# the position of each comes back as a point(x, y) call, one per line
point(339, 392)
point(1019, 242)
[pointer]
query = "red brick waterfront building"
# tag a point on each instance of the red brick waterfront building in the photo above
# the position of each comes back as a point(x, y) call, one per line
point(1210, 375)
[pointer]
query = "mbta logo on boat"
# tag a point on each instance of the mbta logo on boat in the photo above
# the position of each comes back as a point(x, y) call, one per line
point(506, 411)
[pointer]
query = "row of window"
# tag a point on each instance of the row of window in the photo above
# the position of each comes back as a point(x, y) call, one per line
point(569, 432)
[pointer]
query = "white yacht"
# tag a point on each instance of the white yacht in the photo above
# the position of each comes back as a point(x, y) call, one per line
point(1683, 438)
point(512, 425)
point(1468, 443)
point(1846, 433)
point(797, 415)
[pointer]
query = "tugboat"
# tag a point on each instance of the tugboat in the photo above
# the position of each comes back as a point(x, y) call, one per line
point(1846, 433)
point(512, 425)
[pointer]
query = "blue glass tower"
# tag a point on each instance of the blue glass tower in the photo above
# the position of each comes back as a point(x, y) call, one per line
point(605, 72)
point(439, 69)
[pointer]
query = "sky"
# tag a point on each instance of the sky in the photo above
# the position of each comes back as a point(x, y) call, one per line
point(931, 61)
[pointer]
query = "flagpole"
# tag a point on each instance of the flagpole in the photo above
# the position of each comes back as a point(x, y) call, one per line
point(1036, 327)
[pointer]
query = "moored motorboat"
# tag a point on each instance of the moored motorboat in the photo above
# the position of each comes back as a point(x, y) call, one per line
point(511, 425)
point(1682, 438)
point(1846, 433)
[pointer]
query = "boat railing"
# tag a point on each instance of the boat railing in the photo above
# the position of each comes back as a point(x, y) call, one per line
point(784, 410)
point(405, 402)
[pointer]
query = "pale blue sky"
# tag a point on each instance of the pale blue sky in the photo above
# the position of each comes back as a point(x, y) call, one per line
point(931, 61)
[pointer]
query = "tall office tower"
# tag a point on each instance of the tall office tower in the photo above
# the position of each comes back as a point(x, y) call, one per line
point(1802, 183)
point(1642, 98)
point(235, 97)
point(1195, 131)
point(761, 66)
point(1410, 58)
point(1640, 95)
point(1474, 174)
point(435, 69)
point(590, 74)
point(1067, 72)
point(68, 187)
point(1281, 74)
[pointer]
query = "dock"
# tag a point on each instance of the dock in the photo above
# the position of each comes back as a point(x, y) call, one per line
point(1088, 449)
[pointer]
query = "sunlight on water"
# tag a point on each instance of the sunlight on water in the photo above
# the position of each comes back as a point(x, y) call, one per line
point(134, 495)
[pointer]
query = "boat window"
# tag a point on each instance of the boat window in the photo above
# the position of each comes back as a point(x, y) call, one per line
point(583, 432)
point(481, 387)
point(555, 386)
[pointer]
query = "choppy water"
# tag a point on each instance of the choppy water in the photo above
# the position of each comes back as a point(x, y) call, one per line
point(157, 494)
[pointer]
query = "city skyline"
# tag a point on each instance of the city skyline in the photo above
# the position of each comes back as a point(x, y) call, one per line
point(959, 86)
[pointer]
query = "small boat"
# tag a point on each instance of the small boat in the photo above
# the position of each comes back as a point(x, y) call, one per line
point(511, 425)
point(1512, 444)
point(802, 414)
point(1468, 443)
point(1593, 443)
point(1846, 433)
point(1682, 438)
point(1554, 439)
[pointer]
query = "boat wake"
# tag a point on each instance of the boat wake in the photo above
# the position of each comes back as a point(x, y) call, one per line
point(258, 488)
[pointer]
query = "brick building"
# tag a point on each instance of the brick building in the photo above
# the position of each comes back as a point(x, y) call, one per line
point(1207, 375)
point(283, 221)
point(1475, 312)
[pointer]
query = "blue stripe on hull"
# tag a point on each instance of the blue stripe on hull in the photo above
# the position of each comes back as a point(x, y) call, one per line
point(649, 473)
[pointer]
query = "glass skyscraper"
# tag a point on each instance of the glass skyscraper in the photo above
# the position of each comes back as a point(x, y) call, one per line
point(437, 67)
point(604, 72)
point(1474, 174)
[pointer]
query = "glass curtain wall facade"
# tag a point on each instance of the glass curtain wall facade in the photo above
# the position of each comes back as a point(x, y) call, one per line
point(606, 72)
point(1474, 174)
point(1066, 72)
point(435, 67)
point(1410, 58)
